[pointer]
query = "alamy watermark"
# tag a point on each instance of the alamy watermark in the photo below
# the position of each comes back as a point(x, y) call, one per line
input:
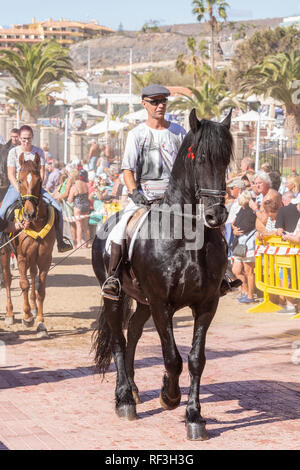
point(164, 222)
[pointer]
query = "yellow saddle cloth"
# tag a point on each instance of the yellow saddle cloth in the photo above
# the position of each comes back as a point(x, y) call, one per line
point(45, 230)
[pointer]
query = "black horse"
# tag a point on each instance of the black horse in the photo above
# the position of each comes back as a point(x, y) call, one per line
point(173, 274)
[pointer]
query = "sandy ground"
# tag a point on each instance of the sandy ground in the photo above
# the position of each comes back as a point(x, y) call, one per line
point(50, 397)
point(72, 304)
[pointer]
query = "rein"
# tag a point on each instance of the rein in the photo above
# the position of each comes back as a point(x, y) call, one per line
point(11, 239)
point(32, 198)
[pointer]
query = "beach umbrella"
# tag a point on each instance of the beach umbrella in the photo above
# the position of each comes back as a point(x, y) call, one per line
point(252, 116)
point(106, 126)
point(90, 111)
point(140, 115)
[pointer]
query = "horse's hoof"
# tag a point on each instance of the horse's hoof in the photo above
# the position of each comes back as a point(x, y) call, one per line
point(136, 397)
point(28, 323)
point(9, 320)
point(34, 312)
point(42, 331)
point(168, 403)
point(196, 432)
point(127, 412)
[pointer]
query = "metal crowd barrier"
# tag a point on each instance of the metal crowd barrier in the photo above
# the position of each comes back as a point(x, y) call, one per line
point(275, 258)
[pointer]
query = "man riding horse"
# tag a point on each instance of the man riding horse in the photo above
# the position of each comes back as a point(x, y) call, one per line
point(13, 166)
point(150, 152)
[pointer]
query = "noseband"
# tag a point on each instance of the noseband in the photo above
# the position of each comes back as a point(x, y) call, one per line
point(201, 193)
point(35, 200)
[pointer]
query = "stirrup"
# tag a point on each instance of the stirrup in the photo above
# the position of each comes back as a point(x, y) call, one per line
point(64, 245)
point(110, 296)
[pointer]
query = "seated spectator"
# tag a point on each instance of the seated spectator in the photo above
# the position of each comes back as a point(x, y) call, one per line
point(271, 208)
point(293, 184)
point(248, 166)
point(235, 188)
point(288, 215)
point(244, 231)
point(265, 191)
point(101, 192)
point(266, 167)
point(275, 179)
point(53, 178)
point(294, 237)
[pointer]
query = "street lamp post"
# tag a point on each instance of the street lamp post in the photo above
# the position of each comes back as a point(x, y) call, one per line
point(67, 108)
point(130, 82)
point(258, 140)
point(18, 115)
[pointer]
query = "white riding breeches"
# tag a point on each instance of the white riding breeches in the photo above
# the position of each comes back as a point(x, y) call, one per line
point(118, 233)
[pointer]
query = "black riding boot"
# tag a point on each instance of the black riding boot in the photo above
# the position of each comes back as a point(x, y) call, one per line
point(228, 285)
point(112, 287)
point(63, 243)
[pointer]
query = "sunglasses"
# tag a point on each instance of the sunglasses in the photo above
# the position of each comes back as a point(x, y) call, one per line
point(157, 102)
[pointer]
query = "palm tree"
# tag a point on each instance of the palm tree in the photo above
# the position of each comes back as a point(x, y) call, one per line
point(209, 7)
point(277, 77)
point(196, 63)
point(141, 81)
point(38, 70)
point(209, 101)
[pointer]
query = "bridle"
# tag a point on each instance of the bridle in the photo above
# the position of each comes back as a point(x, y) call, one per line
point(35, 200)
point(201, 193)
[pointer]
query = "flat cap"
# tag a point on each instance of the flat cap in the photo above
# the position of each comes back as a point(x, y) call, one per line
point(155, 90)
point(237, 183)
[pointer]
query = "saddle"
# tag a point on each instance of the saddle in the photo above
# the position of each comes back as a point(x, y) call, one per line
point(14, 211)
point(130, 283)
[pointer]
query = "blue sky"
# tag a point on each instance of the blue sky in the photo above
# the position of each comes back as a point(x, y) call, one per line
point(134, 13)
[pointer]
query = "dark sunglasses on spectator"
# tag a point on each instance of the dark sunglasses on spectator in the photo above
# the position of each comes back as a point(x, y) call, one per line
point(156, 102)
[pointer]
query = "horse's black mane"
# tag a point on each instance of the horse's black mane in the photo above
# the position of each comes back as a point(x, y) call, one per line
point(212, 141)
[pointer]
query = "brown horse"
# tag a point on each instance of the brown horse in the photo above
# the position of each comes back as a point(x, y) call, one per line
point(33, 247)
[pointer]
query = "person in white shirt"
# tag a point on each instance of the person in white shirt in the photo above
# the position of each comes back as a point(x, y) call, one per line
point(151, 150)
point(13, 166)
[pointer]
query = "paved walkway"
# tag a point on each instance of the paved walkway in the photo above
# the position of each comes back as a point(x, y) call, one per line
point(50, 398)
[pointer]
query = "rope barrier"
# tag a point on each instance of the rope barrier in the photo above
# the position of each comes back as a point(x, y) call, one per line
point(12, 239)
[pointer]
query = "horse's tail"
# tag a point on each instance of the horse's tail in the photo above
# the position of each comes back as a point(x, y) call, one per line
point(102, 340)
point(102, 344)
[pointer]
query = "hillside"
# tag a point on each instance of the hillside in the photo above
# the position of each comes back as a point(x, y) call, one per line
point(153, 49)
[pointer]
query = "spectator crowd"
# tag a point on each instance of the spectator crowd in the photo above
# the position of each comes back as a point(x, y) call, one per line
point(259, 204)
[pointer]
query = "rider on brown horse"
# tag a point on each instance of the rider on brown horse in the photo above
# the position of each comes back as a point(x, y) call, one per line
point(13, 226)
point(13, 166)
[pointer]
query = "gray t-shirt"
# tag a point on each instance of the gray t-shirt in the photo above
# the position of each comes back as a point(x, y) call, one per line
point(157, 151)
point(166, 141)
point(15, 152)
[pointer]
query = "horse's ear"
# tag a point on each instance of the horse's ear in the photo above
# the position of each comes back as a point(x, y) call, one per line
point(194, 121)
point(21, 159)
point(37, 160)
point(227, 120)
